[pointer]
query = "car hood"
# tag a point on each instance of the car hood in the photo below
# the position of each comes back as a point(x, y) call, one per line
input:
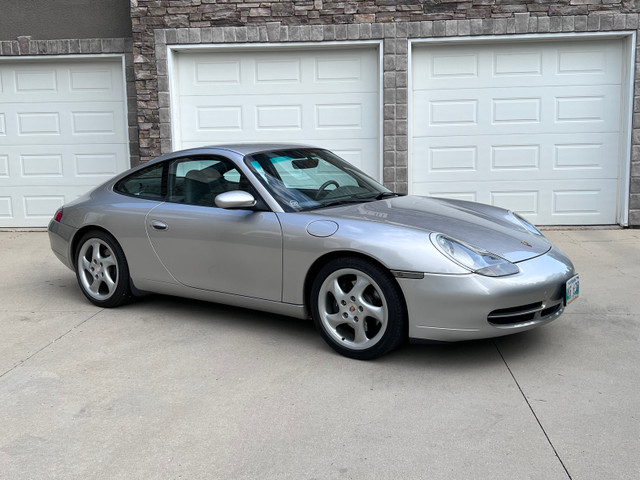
point(491, 228)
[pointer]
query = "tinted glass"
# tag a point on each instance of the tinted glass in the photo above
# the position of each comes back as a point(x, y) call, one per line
point(199, 180)
point(304, 179)
point(147, 183)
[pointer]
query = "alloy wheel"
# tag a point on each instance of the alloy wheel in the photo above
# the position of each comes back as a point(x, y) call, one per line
point(97, 269)
point(352, 309)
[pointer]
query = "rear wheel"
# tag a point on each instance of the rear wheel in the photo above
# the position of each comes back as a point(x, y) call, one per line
point(102, 270)
point(358, 308)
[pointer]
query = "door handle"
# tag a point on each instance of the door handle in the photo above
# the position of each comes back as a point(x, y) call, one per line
point(158, 225)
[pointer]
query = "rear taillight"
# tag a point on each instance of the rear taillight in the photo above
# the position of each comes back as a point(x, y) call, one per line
point(58, 216)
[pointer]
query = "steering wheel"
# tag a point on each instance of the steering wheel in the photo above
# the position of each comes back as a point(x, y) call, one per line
point(324, 186)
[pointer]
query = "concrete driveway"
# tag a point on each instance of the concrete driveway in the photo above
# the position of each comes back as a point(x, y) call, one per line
point(171, 388)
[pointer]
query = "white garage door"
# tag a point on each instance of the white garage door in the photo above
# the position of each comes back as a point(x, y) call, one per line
point(327, 98)
point(534, 127)
point(63, 130)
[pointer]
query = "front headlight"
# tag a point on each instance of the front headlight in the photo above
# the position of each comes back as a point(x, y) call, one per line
point(473, 258)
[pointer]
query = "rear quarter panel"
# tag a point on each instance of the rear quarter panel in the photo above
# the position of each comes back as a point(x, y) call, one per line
point(124, 218)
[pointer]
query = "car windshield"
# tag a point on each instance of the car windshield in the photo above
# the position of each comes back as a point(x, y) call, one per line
point(308, 178)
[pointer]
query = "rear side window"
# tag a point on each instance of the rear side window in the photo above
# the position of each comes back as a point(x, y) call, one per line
point(147, 183)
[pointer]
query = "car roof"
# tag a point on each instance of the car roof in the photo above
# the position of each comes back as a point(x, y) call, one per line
point(251, 148)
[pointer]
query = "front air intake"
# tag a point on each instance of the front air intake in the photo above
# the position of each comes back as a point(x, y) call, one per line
point(523, 314)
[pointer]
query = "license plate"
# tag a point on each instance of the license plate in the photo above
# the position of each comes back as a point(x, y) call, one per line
point(573, 289)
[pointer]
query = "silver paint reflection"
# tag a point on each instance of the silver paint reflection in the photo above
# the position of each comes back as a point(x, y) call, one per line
point(265, 258)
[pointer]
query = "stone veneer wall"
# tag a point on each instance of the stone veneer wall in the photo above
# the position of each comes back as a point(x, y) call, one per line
point(158, 23)
point(25, 46)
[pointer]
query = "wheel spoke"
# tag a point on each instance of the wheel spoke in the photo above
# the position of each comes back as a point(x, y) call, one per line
point(86, 265)
point(334, 319)
point(335, 289)
point(95, 250)
point(109, 261)
point(374, 312)
point(360, 334)
point(359, 288)
point(111, 284)
point(95, 286)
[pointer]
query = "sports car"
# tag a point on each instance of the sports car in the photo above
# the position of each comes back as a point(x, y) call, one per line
point(295, 230)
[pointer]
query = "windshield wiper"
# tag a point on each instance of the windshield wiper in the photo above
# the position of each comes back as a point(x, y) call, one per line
point(382, 195)
point(379, 196)
point(335, 203)
point(357, 199)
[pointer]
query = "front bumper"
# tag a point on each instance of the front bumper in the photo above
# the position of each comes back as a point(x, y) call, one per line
point(465, 307)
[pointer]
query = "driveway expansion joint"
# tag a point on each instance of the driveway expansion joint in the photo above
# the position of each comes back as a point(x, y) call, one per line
point(21, 362)
point(533, 412)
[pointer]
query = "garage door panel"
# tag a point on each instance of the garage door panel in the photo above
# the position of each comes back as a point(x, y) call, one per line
point(492, 111)
point(96, 163)
point(237, 117)
point(63, 123)
point(600, 61)
point(531, 126)
point(518, 156)
point(87, 81)
point(530, 65)
point(234, 73)
point(36, 207)
point(551, 202)
point(101, 121)
point(73, 81)
point(63, 131)
point(27, 123)
point(325, 97)
point(60, 165)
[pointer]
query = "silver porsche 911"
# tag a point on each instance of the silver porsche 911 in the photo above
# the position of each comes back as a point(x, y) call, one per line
point(297, 231)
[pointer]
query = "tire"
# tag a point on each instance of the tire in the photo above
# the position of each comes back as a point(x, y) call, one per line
point(358, 308)
point(102, 270)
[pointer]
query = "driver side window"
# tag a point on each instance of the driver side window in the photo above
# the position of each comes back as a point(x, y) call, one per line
point(199, 180)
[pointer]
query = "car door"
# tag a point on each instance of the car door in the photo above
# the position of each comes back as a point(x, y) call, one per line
point(210, 248)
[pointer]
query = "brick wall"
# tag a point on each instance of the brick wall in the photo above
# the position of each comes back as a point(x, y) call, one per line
point(158, 23)
point(65, 19)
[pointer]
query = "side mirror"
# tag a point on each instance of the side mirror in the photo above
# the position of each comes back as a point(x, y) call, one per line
point(235, 199)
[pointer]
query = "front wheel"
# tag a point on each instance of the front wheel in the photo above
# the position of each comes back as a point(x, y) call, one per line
point(358, 308)
point(102, 270)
